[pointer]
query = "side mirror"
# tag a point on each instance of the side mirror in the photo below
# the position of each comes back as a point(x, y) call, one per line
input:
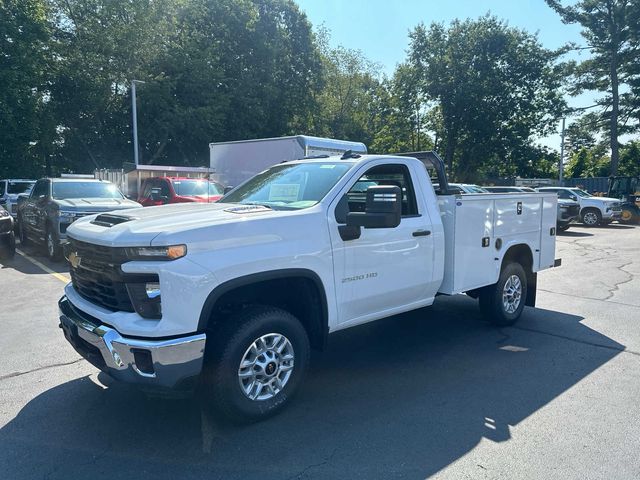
point(227, 189)
point(574, 198)
point(383, 208)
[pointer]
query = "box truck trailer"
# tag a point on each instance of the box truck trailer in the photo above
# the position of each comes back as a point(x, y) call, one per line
point(235, 162)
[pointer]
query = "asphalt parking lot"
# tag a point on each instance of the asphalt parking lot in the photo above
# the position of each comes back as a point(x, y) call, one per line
point(433, 393)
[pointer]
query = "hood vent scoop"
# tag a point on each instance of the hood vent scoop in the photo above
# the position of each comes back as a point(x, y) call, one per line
point(248, 209)
point(107, 220)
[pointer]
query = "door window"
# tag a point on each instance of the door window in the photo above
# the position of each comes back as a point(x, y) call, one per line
point(389, 175)
point(164, 188)
point(146, 191)
point(41, 188)
point(565, 194)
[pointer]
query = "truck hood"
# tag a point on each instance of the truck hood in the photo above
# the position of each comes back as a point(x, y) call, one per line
point(605, 199)
point(95, 204)
point(163, 225)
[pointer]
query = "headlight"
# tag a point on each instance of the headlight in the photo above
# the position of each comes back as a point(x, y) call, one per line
point(66, 215)
point(171, 252)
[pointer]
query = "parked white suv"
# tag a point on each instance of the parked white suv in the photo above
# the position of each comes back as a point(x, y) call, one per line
point(593, 210)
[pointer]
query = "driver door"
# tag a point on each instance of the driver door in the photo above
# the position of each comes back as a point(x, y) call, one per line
point(386, 269)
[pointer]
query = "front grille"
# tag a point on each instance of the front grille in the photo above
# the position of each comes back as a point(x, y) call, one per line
point(96, 274)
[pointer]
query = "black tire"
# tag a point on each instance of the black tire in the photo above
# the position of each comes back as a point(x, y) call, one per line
point(52, 245)
point(227, 347)
point(491, 297)
point(628, 216)
point(563, 228)
point(8, 248)
point(22, 234)
point(591, 217)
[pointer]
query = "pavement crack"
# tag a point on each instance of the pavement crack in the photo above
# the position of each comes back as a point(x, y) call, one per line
point(45, 367)
point(621, 348)
point(616, 286)
point(315, 465)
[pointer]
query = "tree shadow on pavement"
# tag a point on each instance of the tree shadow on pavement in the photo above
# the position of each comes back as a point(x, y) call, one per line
point(402, 397)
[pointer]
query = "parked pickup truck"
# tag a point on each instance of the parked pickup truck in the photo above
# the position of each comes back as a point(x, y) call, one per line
point(54, 203)
point(230, 296)
point(163, 190)
point(593, 210)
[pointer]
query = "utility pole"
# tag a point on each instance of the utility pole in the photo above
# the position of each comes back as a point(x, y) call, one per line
point(561, 166)
point(134, 111)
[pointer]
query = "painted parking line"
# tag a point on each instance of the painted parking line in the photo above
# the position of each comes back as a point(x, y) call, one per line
point(59, 276)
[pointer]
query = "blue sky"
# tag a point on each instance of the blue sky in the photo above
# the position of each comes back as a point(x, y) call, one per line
point(380, 28)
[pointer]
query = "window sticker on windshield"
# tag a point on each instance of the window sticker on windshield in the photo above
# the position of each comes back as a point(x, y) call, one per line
point(327, 166)
point(284, 192)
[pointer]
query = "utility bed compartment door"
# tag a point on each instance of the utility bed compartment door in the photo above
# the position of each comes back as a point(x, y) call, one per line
point(548, 232)
point(469, 236)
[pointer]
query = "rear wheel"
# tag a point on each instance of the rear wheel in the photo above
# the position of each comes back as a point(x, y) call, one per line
point(502, 303)
point(591, 217)
point(255, 363)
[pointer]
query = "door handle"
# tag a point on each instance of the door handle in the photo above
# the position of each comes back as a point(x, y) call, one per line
point(421, 233)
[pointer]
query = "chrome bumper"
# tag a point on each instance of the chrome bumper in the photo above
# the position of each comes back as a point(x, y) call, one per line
point(167, 364)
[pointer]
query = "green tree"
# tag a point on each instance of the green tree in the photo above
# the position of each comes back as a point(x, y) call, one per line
point(610, 29)
point(352, 99)
point(630, 159)
point(496, 88)
point(25, 130)
point(583, 132)
point(404, 124)
point(214, 70)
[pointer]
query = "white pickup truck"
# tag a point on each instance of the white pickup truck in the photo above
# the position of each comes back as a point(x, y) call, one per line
point(229, 297)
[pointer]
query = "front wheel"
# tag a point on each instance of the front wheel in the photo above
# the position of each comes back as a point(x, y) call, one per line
point(628, 216)
point(54, 251)
point(591, 217)
point(22, 234)
point(8, 250)
point(255, 363)
point(563, 228)
point(503, 303)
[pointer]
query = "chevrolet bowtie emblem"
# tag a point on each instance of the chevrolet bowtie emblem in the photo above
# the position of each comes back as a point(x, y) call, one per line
point(74, 259)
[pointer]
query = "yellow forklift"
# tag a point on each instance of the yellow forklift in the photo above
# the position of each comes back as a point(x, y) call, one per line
point(627, 189)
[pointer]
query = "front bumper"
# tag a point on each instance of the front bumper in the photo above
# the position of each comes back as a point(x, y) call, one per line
point(163, 364)
point(612, 213)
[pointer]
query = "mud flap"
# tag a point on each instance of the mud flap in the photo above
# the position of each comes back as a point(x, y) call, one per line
point(532, 288)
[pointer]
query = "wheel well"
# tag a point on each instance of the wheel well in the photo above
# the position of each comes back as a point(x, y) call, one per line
point(521, 254)
point(301, 295)
point(586, 209)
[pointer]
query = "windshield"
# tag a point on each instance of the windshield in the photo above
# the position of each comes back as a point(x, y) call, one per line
point(581, 193)
point(289, 187)
point(196, 188)
point(19, 187)
point(64, 190)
